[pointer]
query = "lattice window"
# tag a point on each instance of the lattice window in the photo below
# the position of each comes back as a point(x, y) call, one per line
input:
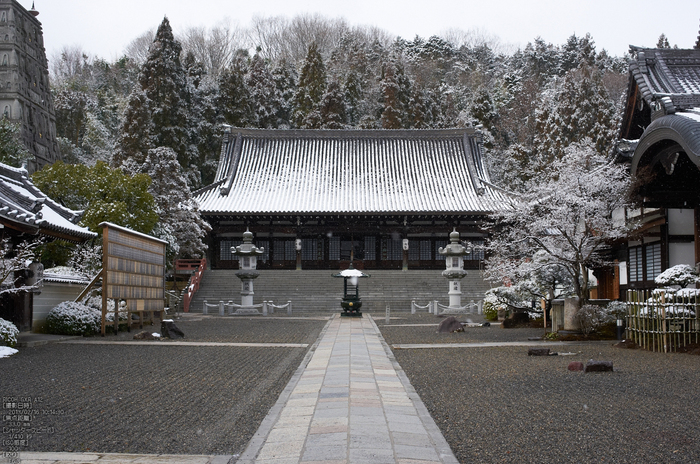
point(309, 249)
point(334, 249)
point(370, 248)
point(635, 264)
point(225, 253)
point(439, 244)
point(653, 253)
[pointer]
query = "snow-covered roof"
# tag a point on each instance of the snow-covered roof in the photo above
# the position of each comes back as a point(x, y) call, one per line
point(670, 76)
point(64, 275)
point(350, 172)
point(24, 207)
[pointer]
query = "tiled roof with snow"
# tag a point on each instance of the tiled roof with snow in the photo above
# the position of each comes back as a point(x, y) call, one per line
point(351, 172)
point(25, 207)
point(670, 73)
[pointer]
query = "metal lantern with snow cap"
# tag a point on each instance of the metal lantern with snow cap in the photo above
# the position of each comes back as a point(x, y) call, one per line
point(454, 254)
point(351, 302)
point(248, 261)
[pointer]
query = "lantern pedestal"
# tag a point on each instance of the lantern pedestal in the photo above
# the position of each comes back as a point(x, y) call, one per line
point(248, 258)
point(454, 254)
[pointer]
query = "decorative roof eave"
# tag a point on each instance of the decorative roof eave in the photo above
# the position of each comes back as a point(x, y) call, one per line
point(684, 129)
point(650, 71)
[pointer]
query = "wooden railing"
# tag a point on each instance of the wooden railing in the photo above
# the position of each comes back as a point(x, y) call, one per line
point(198, 265)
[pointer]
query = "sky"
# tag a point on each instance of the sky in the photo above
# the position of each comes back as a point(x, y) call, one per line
point(103, 28)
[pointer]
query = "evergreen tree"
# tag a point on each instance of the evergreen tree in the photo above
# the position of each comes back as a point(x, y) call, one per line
point(164, 82)
point(180, 223)
point(136, 134)
point(264, 95)
point(663, 42)
point(395, 89)
point(332, 108)
point(580, 109)
point(310, 90)
point(12, 150)
point(104, 193)
point(234, 98)
point(284, 76)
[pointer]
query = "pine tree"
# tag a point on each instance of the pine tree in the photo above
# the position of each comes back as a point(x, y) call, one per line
point(310, 91)
point(163, 80)
point(136, 133)
point(180, 223)
point(284, 76)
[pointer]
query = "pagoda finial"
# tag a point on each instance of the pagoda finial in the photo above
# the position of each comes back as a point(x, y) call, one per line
point(33, 11)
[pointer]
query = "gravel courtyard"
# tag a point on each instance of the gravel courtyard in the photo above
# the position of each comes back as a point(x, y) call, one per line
point(492, 404)
point(159, 399)
point(499, 405)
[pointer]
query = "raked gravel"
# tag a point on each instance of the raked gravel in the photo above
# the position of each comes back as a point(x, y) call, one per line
point(500, 405)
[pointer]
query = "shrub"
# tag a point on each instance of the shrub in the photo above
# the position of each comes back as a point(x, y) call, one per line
point(616, 310)
point(8, 333)
point(69, 318)
point(490, 311)
point(681, 275)
point(590, 317)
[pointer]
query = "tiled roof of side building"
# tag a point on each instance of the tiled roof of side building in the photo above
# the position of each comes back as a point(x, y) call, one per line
point(671, 73)
point(351, 172)
point(24, 207)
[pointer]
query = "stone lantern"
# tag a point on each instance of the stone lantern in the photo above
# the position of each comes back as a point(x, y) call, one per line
point(351, 302)
point(248, 260)
point(454, 254)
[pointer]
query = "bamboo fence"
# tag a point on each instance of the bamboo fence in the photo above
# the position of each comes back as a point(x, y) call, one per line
point(663, 321)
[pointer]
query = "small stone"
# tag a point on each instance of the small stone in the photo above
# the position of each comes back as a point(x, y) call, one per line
point(145, 335)
point(598, 366)
point(629, 344)
point(538, 352)
point(575, 366)
point(169, 330)
point(450, 325)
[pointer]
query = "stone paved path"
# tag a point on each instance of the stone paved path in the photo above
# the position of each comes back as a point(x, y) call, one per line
point(351, 404)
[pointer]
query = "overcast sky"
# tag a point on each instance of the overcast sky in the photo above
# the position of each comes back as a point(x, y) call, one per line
point(105, 27)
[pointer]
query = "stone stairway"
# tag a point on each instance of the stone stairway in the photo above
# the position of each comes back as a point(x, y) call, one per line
point(312, 290)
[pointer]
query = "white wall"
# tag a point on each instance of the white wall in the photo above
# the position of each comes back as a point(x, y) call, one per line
point(51, 295)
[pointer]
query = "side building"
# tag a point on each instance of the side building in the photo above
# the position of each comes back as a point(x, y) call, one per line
point(318, 199)
point(661, 133)
point(25, 96)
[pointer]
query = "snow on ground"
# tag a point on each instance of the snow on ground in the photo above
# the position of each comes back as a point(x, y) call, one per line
point(6, 351)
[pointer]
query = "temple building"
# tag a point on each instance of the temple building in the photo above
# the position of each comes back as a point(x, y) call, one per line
point(25, 96)
point(660, 133)
point(318, 199)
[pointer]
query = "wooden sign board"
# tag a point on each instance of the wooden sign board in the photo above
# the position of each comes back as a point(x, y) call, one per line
point(133, 271)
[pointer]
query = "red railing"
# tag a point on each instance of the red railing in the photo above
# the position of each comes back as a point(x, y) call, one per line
point(198, 265)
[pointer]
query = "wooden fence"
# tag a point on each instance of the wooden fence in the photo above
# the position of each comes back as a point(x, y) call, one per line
point(663, 321)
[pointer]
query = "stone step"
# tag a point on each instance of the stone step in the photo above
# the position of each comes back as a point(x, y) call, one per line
point(312, 290)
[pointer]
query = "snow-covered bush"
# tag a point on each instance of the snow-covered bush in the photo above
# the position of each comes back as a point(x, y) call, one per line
point(681, 275)
point(70, 318)
point(8, 333)
point(592, 317)
point(616, 310)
